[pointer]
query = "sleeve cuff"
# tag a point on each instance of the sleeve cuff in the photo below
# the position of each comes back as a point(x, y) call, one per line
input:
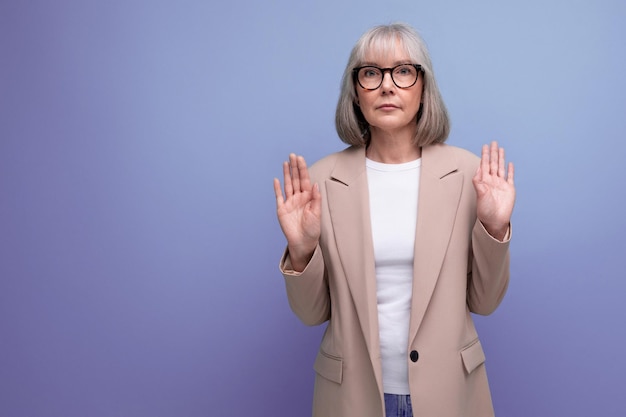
point(287, 269)
point(507, 236)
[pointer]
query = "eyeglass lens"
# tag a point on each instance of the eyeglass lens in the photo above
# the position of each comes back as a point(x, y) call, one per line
point(403, 76)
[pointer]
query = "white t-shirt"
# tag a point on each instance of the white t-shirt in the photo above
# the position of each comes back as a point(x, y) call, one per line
point(393, 195)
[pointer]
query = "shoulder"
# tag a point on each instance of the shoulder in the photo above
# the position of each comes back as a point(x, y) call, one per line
point(461, 159)
point(451, 151)
point(324, 167)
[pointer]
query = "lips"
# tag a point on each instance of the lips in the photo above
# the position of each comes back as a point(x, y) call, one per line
point(387, 106)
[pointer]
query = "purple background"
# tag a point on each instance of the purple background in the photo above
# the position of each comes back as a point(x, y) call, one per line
point(138, 239)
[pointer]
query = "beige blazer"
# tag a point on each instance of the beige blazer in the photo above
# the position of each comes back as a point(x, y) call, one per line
point(458, 268)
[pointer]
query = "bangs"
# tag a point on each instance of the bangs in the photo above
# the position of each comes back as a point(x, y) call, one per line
point(381, 46)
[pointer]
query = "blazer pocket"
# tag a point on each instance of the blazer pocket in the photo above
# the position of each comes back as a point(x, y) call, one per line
point(328, 366)
point(473, 356)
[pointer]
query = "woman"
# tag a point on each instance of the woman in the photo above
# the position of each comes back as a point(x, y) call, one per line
point(394, 241)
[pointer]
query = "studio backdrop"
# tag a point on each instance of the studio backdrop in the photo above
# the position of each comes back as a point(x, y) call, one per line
point(139, 245)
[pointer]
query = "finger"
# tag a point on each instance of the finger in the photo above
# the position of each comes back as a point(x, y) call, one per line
point(501, 163)
point(484, 161)
point(295, 174)
point(493, 159)
point(278, 192)
point(510, 178)
point(287, 176)
point(305, 180)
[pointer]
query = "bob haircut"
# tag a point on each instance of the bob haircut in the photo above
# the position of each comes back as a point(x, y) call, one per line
point(433, 124)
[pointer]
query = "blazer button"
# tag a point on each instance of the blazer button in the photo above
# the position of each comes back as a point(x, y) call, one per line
point(414, 355)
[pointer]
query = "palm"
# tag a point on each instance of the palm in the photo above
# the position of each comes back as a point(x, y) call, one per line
point(495, 190)
point(299, 211)
point(297, 217)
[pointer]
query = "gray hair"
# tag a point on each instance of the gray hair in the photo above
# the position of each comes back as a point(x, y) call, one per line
point(433, 124)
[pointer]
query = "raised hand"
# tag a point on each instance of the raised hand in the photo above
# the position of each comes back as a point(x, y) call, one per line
point(495, 191)
point(299, 211)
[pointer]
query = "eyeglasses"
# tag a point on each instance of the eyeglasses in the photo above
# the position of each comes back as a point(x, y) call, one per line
point(403, 76)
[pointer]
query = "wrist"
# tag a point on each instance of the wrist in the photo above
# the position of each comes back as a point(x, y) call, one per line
point(498, 232)
point(300, 258)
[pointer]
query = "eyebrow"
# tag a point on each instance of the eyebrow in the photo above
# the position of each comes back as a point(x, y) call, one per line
point(396, 63)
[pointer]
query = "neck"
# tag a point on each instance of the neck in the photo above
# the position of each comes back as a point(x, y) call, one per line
point(392, 149)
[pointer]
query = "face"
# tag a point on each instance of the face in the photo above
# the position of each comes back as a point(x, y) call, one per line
point(390, 109)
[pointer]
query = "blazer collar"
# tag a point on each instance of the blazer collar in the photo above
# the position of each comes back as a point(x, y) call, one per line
point(436, 161)
point(350, 165)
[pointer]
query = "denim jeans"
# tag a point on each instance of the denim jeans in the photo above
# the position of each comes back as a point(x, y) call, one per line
point(398, 405)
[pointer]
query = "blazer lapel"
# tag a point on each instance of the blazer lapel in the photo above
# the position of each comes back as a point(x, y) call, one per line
point(348, 201)
point(439, 196)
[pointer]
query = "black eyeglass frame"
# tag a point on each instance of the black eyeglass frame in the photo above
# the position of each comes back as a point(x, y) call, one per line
point(355, 75)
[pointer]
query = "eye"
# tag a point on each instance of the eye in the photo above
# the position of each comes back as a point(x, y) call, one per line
point(405, 70)
point(370, 72)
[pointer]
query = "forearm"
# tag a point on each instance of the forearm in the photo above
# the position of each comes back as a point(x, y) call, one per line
point(307, 291)
point(489, 276)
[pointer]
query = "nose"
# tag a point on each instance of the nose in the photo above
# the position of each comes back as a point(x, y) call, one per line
point(387, 84)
